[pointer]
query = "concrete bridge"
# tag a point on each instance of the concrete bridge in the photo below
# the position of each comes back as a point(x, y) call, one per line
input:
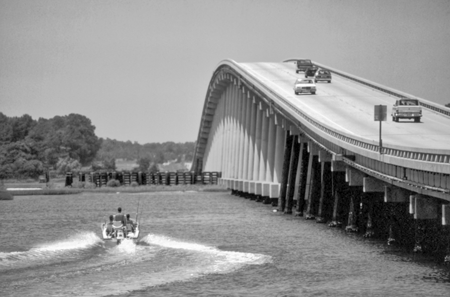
point(319, 156)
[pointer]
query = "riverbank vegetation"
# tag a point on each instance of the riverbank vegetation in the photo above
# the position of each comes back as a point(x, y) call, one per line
point(31, 148)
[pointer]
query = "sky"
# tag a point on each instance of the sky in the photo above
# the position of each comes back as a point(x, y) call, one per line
point(139, 70)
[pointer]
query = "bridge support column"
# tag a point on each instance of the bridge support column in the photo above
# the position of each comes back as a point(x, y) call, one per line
point(446, 224)
point(355, 181)
point(312, 182)
point(338, 184)
point(285, 172)
point(395, 206)
point(251, 145)
point(374, 190)
point(325, 186)
point(352, 223)
point(280, 138)
point(265, 158)
point(425, 213)
point(293, 168)
point(303, 173)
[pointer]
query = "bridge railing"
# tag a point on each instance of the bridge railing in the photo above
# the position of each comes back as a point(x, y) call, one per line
point(412, 154)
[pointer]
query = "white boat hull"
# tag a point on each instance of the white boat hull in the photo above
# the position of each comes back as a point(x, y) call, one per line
point(119, 235)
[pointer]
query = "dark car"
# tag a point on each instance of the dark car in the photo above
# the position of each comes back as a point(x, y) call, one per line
point(311, 71)
point(303, 64)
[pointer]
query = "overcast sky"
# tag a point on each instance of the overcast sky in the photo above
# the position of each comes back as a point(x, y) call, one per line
point(139, 70)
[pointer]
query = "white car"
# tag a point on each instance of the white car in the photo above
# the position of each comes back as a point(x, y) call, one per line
point(304, 85)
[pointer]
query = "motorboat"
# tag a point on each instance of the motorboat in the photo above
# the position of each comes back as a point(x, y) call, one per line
point(119, 232)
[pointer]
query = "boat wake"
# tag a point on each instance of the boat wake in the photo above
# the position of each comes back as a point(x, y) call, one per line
point(65, 267)
point(51, 252)
point(205, 259)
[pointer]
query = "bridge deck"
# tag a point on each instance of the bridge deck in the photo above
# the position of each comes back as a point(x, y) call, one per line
point(349, 107)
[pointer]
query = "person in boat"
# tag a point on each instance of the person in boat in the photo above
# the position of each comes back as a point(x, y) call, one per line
point(130, 224)
point(120, 219)
point(109, 226)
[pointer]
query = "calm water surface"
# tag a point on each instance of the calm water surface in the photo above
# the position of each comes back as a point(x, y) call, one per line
point(196, 244)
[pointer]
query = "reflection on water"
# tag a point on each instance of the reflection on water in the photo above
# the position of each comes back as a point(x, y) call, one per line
point(201, 244)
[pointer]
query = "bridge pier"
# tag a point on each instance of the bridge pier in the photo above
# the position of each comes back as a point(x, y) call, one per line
point(325, 187)
point(285, 172)
point(426, 226)
point(338, 188)
point(374, 191)
point(446, 225)
point(293, 169)
point(352, 221)
point(312, 182)
point(303, 172)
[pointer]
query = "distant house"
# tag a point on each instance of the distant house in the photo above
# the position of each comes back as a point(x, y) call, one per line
point(172, 167)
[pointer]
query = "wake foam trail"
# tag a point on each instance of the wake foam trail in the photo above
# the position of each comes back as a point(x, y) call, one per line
point(77, 241)
point(50, 252)
point(222, 259)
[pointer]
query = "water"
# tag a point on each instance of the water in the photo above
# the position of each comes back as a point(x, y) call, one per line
point(196, 244)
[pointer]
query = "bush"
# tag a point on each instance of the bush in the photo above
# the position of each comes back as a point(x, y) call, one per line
point(113, 183)
point(134, 184)
point(88, 185)
point(78, 184)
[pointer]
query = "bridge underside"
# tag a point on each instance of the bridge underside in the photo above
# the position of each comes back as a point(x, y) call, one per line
point(266, 152)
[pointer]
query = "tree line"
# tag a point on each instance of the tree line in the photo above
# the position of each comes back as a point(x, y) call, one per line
point(146, 154)
point(29, 147)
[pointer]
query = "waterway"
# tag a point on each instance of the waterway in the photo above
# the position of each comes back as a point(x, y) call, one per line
point(196, 244)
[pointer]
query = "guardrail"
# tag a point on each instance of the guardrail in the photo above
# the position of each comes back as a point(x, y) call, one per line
point(413, 154)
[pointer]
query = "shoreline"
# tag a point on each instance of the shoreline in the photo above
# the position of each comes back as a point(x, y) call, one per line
point(113, 190)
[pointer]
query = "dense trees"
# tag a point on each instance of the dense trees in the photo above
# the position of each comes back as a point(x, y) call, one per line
point(27, 146)
point(447, 105)
point(150, 152)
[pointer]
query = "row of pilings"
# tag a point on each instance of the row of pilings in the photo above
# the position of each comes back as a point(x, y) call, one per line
point(101, 178)
point(315, 187)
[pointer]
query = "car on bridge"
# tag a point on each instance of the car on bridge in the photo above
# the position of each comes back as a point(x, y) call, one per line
point(406, 108)
point(311, 71)
point(304, 85)
point(322, 75)
point(303, 64)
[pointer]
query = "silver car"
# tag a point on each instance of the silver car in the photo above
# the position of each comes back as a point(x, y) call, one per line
point(304, 85)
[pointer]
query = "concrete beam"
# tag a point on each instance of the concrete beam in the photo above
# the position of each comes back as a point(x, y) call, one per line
point(354, 177)
point(207, 117)
point(212, 104)
point(395, 194)
point(423, 208)
point(371, 184)
point(312, 148)
point(302, 138)
point(294, 130)
point(324, 156)
point(210, 111)
point(266, 189)
point(252, 187)
point(274, 190)
point(445, 214)
point(338, 166)
point(259, 188)
point(338, 157)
